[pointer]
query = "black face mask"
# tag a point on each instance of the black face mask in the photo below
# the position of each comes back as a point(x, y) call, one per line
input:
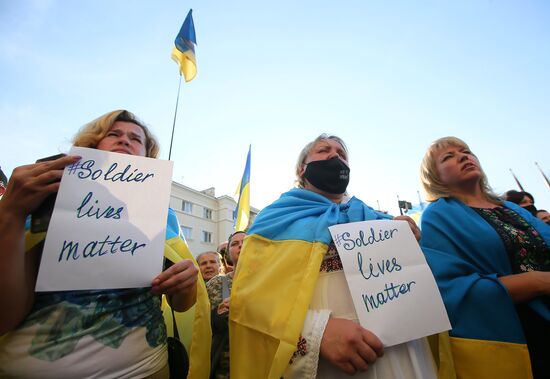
point(331, 175)
point(531, 209)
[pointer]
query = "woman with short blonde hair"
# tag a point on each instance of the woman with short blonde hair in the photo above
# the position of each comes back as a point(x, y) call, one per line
point(93, 132)
point(87, 333)
point(433, 186)
point(491, 261)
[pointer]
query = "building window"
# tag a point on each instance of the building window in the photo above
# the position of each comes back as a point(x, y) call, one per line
point(186, 206)
point(186, 231)
point(208, 213)
point(206, 236)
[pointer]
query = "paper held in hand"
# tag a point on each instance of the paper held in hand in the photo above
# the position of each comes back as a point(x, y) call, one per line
point(109, 223)
point(392, 287)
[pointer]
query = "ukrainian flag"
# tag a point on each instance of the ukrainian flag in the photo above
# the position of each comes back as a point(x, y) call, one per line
point(416, 212)
point(242, 213)
point(184, 50)
point(276, 275)
point(194, 324)
point(467, 257)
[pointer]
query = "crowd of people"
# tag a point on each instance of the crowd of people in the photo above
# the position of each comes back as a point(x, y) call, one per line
point(527, 201)
point(280, 306)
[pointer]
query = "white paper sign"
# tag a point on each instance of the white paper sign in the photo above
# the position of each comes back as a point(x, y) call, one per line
point(109, 222)
point(393, 289)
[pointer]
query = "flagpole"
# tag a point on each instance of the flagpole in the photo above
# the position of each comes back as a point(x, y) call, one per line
point(175, 115)
point(543, 175)
point(517, 181)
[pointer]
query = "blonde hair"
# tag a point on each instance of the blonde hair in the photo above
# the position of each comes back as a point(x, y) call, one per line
point(299, 182)
point(93, 132)
point(433, 186)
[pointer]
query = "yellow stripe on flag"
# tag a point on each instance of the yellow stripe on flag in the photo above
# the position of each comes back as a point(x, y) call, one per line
point(243, 213)
point(508, 360)
point(267, 311)
point(199, 353)
point(187, 63)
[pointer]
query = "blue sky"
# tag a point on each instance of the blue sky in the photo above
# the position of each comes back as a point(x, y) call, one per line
point(387, 77)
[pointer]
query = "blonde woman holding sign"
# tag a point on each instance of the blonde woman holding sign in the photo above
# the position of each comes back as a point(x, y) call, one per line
point(491, 260)
point(81, 334)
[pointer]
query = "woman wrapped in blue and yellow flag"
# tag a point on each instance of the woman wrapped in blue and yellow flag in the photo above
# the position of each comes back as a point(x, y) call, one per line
point(291, 313)
point(491, 261)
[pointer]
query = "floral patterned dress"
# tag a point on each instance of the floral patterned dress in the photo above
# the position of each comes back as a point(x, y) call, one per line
point(71, 333)
point(527, 251)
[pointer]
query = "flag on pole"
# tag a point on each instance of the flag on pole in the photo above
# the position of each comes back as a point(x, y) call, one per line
point(543, 175)
point(184, 50)
point(416, 212)
point(517, 181)
point(242, 212)
point(417, 209)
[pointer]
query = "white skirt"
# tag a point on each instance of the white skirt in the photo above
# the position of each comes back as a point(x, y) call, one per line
point(411, 360)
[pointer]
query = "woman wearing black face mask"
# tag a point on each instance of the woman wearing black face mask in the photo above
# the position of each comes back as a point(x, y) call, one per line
point(290, 286)
point(523, 199)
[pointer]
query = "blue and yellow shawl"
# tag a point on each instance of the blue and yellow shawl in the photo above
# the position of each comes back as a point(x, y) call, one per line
point(467, 256)
point(276, 275)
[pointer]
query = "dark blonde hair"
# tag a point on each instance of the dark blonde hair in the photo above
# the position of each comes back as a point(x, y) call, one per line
point(299, 182)
point(433, 186)
point(93, 132)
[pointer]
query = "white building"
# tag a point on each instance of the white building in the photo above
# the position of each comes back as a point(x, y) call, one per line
point(206, 220)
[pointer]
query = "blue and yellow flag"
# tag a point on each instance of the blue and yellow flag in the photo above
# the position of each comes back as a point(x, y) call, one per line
point(242, 212)
point(416, 212)
point(276, 276)
point(467, 257)
point(184, 50)
point(194, 324)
